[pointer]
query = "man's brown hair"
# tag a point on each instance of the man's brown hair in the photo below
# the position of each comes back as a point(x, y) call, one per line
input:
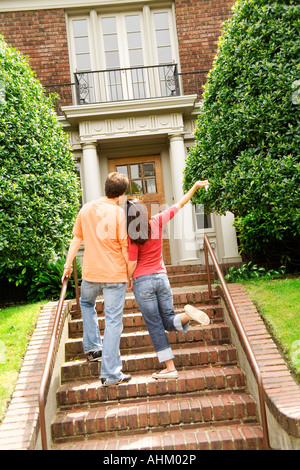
point(115, 184)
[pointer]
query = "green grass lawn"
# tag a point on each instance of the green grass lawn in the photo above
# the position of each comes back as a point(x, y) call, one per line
point(278, 301)
point(16, 326)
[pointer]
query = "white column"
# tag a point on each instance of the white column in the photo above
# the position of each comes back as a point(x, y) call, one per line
point(184, 230)
point(91, 172)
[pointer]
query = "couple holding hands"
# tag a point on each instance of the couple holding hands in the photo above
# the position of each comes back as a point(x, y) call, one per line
point(122, 245)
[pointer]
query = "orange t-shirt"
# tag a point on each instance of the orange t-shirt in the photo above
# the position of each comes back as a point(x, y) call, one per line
point(101, 224)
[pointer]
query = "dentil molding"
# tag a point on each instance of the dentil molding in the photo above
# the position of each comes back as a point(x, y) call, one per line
point(131, 125)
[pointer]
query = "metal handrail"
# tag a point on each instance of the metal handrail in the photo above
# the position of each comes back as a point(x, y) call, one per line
point(50, 354)
point(243, 336)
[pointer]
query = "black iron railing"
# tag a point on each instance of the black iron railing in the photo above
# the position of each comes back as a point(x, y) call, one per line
point(136, 83)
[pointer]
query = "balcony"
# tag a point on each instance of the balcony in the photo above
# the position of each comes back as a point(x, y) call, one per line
point(136, 83)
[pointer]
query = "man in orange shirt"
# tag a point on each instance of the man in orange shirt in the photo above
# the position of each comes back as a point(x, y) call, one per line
point(101, 224)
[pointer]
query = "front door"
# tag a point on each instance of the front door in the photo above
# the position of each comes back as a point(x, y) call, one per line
point(145, 183)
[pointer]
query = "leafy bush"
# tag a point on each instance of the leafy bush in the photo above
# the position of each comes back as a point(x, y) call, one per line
point(46, 284)
point(247, 136)
point(38, 184)
point(250, 271)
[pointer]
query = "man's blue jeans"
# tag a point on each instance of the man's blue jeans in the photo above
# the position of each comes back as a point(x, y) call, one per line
point(155, 300)
point(114, 298)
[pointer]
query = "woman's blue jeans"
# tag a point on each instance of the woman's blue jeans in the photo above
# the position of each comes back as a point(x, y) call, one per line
point(114, 298)
point(155, 300)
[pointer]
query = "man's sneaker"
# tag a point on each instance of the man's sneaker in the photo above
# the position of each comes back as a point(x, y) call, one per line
point(108, 382)
point(94, 356)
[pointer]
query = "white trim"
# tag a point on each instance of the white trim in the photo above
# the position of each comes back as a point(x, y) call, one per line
point(95, 42)
point(185, 103)
point(18, 5)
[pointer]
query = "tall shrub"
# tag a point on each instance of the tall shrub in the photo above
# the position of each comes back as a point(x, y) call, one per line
point(247, 136)
point(38, 184)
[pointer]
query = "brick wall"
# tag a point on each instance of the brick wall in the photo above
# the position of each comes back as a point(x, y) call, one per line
point(199, 24)
point(41, 35)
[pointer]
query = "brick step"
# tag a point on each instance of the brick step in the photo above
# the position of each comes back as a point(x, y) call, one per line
point(154, 414)
point(184, 268)
point(208, 379)
point(181, 296)
point(134, 320)
point(189, 279)
point(132, 342)
point(187, 272)
point(224, 354)
point(230, 437)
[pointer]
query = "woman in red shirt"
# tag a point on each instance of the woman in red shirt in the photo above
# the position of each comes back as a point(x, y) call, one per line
point(150, 282)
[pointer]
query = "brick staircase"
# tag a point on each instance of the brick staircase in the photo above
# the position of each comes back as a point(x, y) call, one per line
point(207, 407)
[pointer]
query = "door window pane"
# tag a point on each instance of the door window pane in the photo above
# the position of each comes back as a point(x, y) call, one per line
point(81, 44)
point(135, 171)
point(110, 42)
point(122, 169)
point(161, 20)
point(164, 55)
point(163, 37)
point(112, 59)
point(150, 186)
point(137, 187)
point(109, 25)
point(83, 62)
point(136, 57)
point(132, 22)
point(134, 40)
point(80, 28)
point(149, 169)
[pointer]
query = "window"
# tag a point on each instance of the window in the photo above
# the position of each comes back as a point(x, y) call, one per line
point(122, 48)
point(163, 39)
point(134, 51)
point(142, 178)
point(83, 59)
point(203, 221)
point(81, 42)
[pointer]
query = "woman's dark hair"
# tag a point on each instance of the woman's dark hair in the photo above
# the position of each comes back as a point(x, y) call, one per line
point(115, 184)
point(138, 221)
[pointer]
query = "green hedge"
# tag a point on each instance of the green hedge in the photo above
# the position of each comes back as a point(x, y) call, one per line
point(39, 190)
point(247, 136)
